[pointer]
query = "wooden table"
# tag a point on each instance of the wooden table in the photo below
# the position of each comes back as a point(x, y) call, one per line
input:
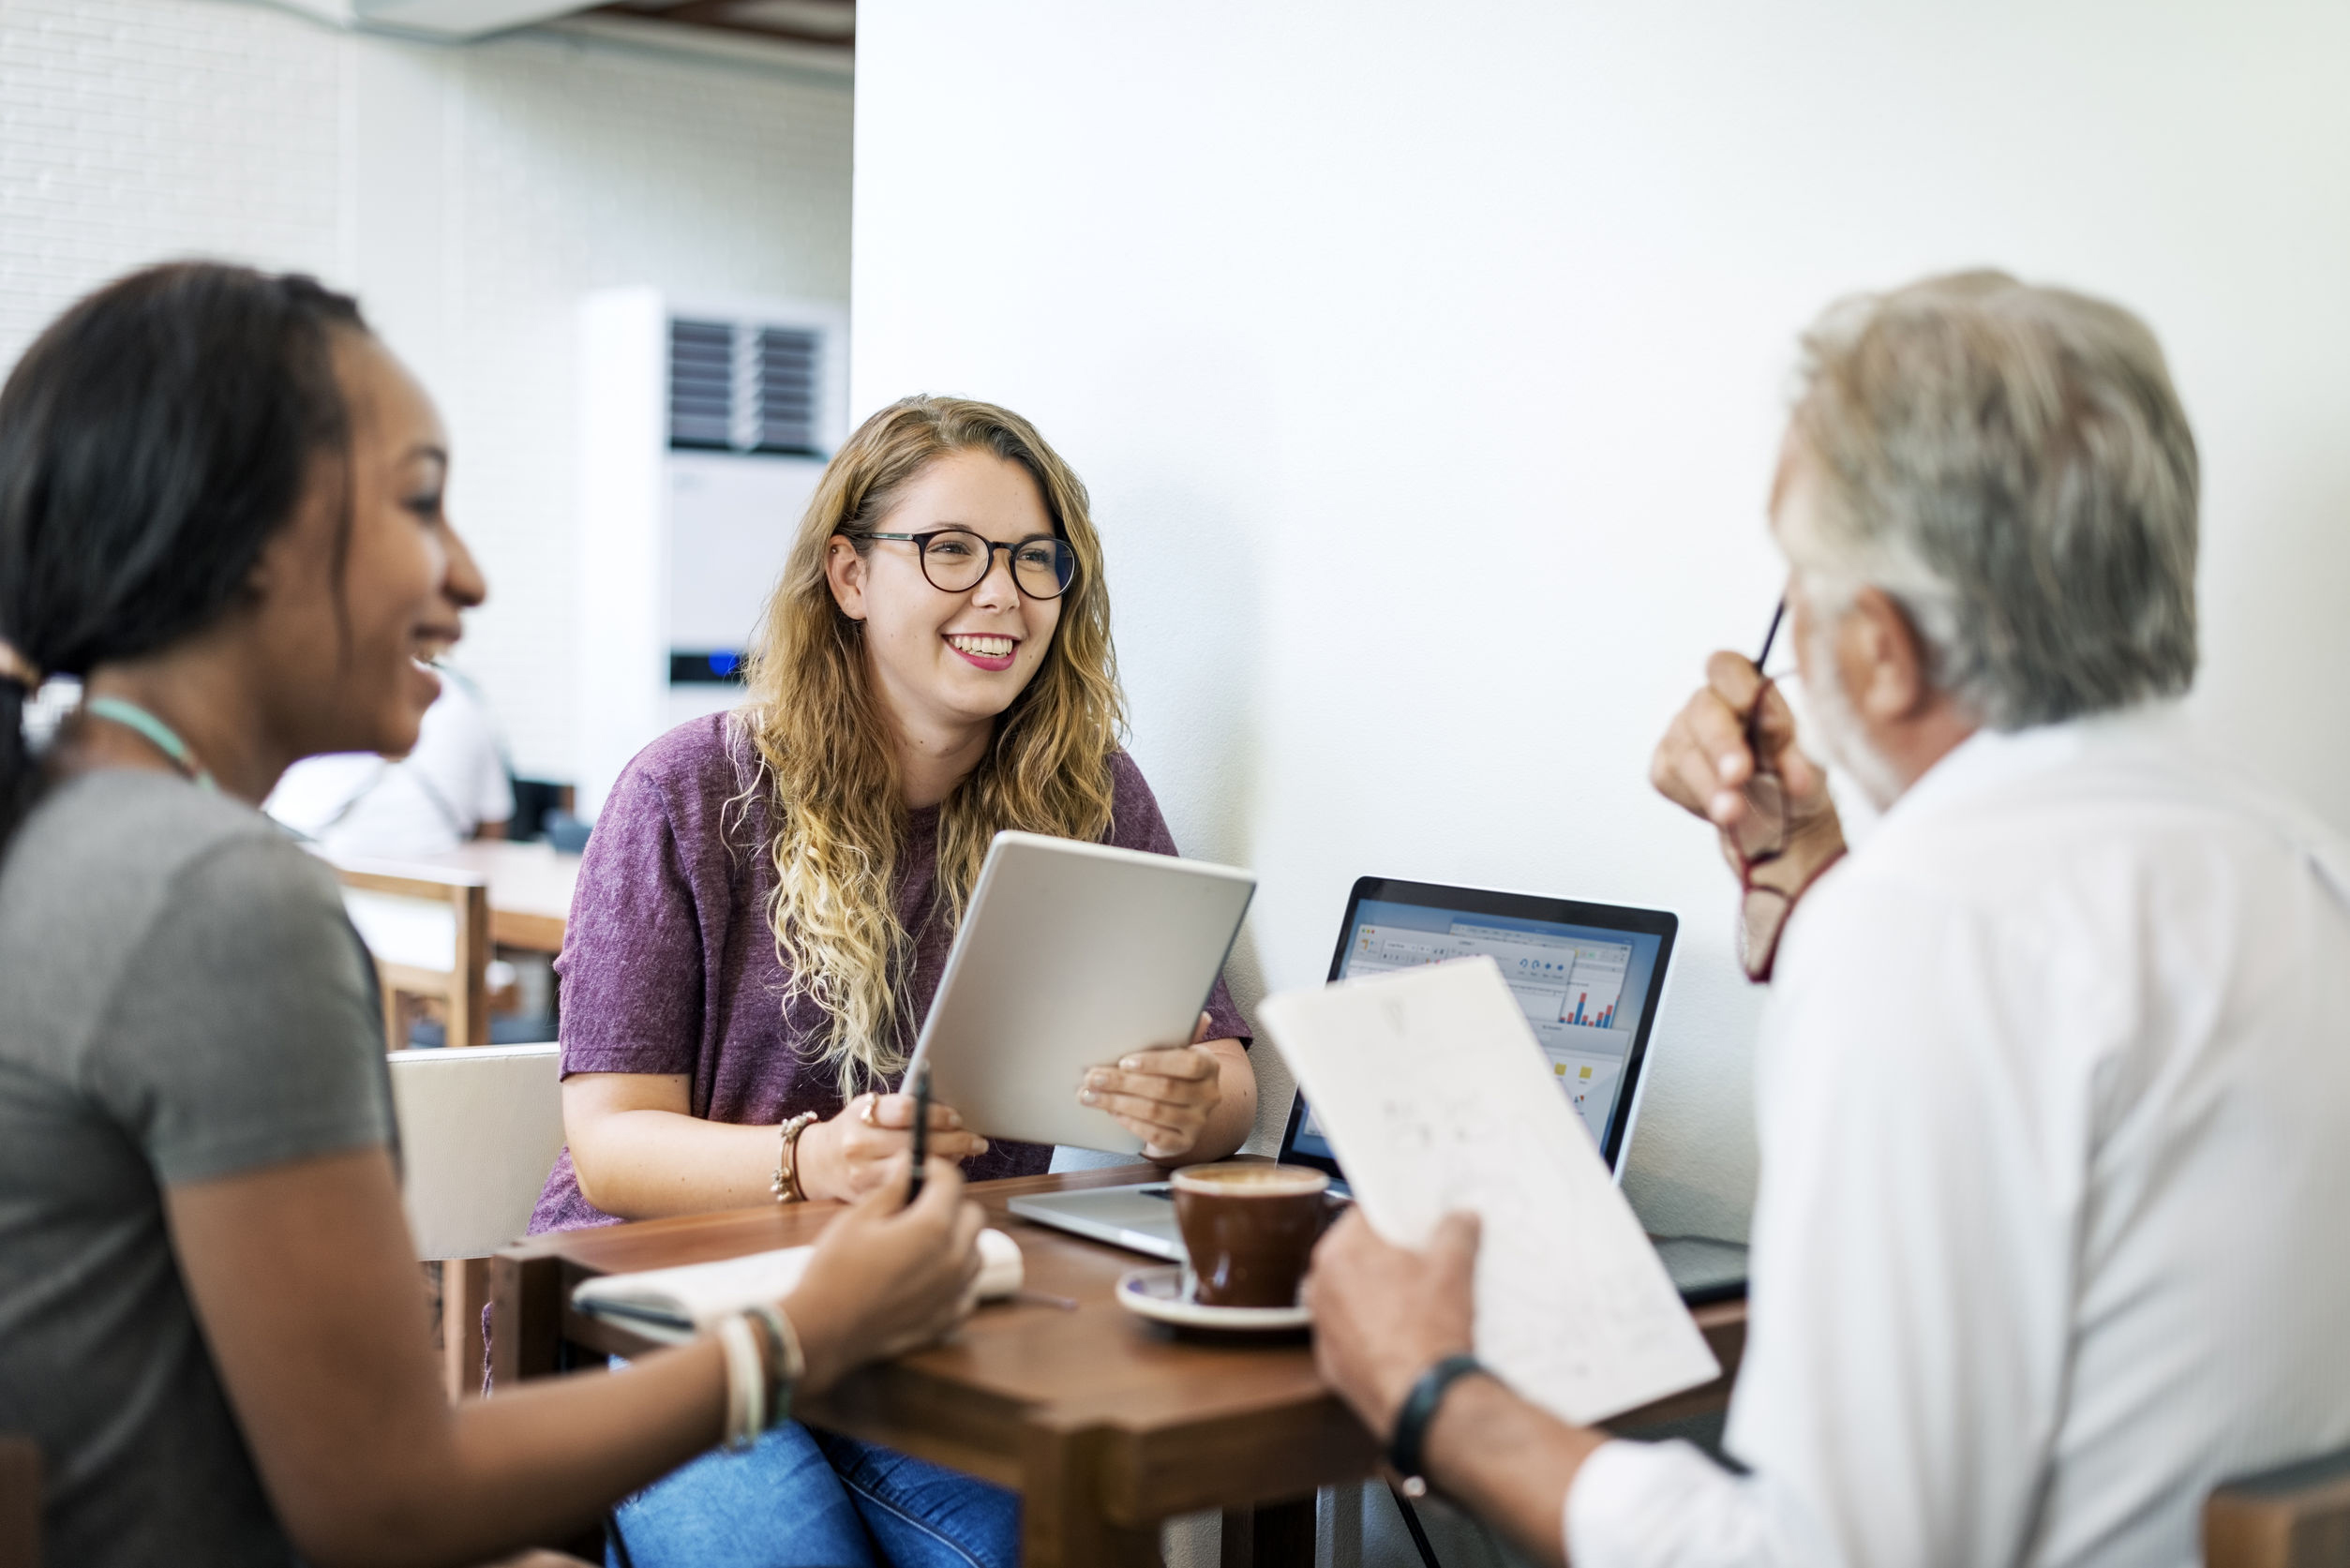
point(529, 889)
point(1106, 1425)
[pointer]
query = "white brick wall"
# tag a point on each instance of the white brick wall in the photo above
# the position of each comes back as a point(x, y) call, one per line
point(467, 194)
point(131, 130)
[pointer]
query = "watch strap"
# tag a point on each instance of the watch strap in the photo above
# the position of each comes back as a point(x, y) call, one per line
point(1419, 1409)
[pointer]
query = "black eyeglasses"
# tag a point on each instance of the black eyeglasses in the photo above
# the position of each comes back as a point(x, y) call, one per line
point(956, 561)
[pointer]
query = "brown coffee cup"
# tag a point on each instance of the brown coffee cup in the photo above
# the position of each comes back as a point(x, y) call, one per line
point(1249, 1230)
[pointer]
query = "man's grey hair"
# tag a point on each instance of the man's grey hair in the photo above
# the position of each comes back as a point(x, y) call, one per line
point(2011, 464)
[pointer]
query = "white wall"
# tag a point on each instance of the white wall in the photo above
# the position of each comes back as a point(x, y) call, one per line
point(469, 194)
point(1427, 364)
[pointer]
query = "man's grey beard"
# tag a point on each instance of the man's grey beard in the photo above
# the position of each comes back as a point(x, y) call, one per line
point(1843, 743)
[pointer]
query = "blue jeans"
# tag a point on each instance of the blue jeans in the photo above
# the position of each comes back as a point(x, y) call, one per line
point(814, 1499)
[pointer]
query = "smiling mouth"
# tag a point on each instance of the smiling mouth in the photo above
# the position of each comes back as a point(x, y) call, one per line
point(983, 647)
point(428, 647)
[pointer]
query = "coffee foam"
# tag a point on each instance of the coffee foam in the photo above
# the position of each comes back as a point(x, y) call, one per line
point(1252, 1181)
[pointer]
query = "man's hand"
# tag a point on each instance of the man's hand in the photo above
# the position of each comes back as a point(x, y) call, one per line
point(1164, 1097)
point(851, 1156)
point(1704, 766)
point(1383, 1315)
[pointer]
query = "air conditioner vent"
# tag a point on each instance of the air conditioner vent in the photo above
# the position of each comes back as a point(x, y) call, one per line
point(790, 359)
point(702, 385)
point(741, 387)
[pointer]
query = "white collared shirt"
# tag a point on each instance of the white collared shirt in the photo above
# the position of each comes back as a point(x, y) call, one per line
point(2053, 1232)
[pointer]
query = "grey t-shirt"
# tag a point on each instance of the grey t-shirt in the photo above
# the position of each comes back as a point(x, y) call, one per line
point(181, 998)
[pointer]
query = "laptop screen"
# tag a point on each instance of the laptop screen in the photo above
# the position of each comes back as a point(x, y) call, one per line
point(1587, 975)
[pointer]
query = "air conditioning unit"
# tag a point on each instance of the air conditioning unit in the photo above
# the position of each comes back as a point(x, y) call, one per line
point(704, 426)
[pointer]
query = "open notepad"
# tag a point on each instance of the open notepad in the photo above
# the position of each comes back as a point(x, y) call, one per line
point(674, 1304)
point(1435, 1098)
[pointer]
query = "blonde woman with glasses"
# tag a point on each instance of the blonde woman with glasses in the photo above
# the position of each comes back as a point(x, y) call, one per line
point(770, 896)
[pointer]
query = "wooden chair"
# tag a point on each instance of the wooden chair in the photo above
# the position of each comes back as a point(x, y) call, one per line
point(429, 928)
point(479, 1130)
point(2298, 1516)
point(20, 1503)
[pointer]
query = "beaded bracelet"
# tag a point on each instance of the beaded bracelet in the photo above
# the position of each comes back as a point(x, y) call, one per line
point(785, 1186)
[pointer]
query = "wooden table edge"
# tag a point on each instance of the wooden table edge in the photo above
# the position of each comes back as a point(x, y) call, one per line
point(1139, 1474)
point(526, 930)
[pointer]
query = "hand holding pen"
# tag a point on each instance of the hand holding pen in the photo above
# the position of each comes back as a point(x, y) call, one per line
point(858, 1151)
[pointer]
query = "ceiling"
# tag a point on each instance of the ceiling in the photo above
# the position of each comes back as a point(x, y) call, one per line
point(820, 23)
point(818, 33)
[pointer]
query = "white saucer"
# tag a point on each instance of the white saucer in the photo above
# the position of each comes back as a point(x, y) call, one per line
point(1157, 1293)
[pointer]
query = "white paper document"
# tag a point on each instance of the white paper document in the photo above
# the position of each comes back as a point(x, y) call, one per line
point(676, 1304)
point(1436, 1098)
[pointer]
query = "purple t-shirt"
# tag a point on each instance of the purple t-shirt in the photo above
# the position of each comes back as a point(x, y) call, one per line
point(669, 966)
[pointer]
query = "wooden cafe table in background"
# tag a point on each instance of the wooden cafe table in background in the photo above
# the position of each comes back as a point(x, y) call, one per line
point(529, 889)
point(1106, 1425)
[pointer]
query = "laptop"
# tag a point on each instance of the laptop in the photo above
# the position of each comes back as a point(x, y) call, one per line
point(1590, 975)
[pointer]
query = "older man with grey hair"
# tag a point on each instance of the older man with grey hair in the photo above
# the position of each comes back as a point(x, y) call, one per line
point(2054, 1083)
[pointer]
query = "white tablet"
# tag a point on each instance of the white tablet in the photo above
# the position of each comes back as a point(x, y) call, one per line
point(1071, 955)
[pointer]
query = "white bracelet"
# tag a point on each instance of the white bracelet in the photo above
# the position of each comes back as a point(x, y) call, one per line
point(746, 1382)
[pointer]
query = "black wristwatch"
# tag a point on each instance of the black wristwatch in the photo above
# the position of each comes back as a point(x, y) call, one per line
point(1419, 1409)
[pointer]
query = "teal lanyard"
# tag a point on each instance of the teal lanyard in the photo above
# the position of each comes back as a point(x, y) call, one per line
point(132, 716)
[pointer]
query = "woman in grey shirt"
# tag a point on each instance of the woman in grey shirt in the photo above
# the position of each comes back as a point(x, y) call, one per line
point(221, 507)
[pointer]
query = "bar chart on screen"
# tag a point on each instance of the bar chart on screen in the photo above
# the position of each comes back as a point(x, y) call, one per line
point(1579, 1010)
point(1594, 985)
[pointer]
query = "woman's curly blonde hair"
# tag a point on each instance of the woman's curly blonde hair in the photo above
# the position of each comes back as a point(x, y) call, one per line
point(827, 767)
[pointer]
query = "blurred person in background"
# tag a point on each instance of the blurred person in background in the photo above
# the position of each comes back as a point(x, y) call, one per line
point(451, 788)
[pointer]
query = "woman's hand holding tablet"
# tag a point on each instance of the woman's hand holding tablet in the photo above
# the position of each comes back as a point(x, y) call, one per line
point(1163, 1097)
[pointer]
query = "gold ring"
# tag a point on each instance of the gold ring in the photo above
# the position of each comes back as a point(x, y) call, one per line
point(866, 1116)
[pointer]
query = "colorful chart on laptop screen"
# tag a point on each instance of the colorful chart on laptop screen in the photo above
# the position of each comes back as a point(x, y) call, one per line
point(1585, 989)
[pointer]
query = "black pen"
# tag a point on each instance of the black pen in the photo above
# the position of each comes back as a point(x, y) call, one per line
point(922, 1132)
point(1771, 636)
point(1754, 714)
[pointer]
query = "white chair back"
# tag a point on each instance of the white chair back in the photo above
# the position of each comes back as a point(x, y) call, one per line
point(414, 933)
point(479, 1130)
